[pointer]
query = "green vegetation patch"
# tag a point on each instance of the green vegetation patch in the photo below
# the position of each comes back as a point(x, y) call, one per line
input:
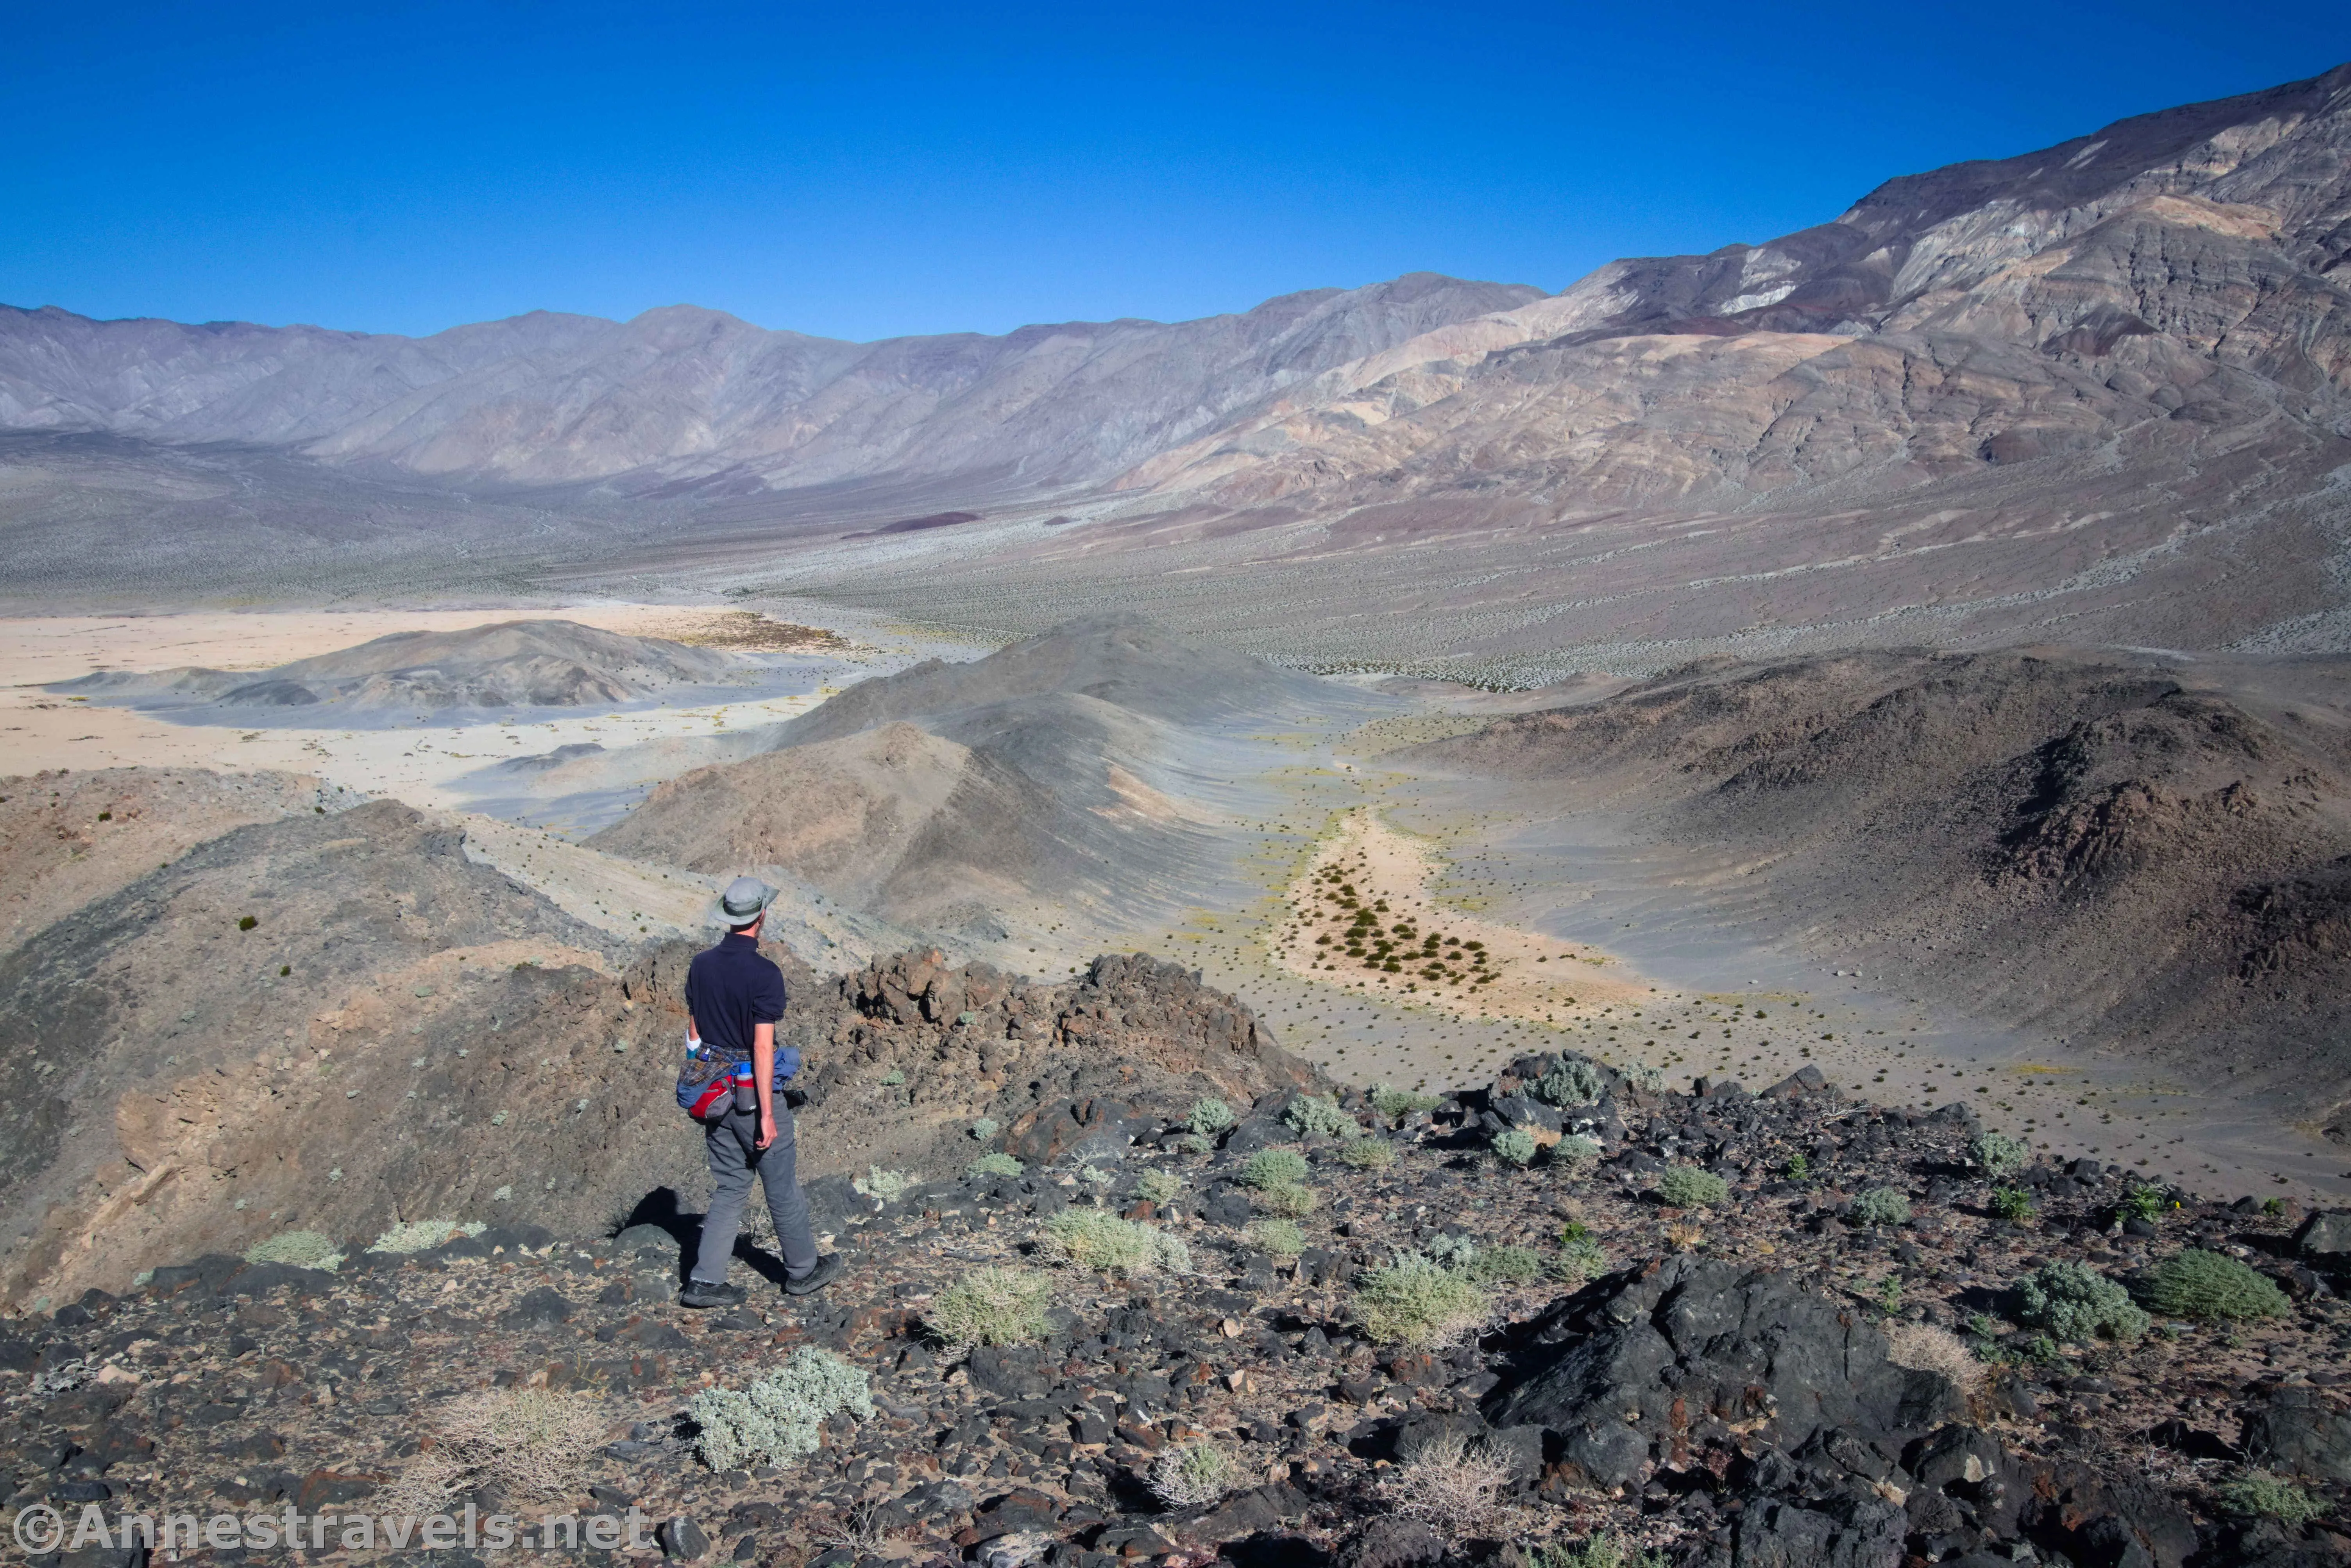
point(991, 1306)
point(2077, 1303)
point(1416, 1301)
point(1687, 1186)
point(1273, 1167)
point(2211, 1286)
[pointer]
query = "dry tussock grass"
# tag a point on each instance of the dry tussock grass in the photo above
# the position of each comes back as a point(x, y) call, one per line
point(1454, 1485)
point(521, 1442)
point(1923, 1347)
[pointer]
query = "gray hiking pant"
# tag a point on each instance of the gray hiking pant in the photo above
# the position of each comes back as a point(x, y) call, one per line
point(735, 1159)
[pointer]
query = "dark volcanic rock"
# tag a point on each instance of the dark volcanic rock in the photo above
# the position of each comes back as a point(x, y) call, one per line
point(2102, 1515)
point(1850, 1528)
point(2303, 1433)
point(1392, 1542)
point(1660, 1354)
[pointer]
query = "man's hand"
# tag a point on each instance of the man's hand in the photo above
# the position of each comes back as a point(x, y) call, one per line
point(763, 1063)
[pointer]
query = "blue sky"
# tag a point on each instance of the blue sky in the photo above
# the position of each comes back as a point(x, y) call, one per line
point(864, 170)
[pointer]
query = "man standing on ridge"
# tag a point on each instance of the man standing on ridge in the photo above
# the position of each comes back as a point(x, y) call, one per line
point(734, 1000)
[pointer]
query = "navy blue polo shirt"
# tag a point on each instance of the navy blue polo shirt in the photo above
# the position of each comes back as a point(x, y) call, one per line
point(730, 989)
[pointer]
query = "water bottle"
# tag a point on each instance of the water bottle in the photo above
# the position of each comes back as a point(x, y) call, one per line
point(747, 1089)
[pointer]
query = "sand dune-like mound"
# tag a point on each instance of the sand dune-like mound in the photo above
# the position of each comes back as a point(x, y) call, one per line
point(946, 795)
point(2131, 851)
point(1019, 803)
point(1125, 660)
point(512, 663)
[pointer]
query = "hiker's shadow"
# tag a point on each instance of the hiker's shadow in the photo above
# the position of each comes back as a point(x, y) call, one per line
point(662, 1209)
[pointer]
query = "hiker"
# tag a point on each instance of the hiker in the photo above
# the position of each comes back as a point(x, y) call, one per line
point(734, 1000)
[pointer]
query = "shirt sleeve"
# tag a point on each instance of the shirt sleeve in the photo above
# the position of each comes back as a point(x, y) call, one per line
point(768, 997)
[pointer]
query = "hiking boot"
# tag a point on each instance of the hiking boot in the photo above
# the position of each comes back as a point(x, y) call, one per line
point(698, 1294)
point(827, 1268)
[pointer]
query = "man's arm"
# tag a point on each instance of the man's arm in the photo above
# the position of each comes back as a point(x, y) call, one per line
point(763, 1073)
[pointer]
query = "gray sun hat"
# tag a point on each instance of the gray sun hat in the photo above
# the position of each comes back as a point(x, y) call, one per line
point(740, 905)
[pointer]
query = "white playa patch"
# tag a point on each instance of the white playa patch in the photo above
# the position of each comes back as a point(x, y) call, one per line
point(1362, 918)
point(418, 763)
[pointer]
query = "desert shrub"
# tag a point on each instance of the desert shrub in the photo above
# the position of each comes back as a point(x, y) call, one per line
point(418, 1235)
point(1210, 1116)
point(1601, 1551)
point(887, 1186)
point(1573, 1081)
point(2146, 1202)
point(1451, 1249)
point(1289, 1199)
point(1687, 1186)
point(2073, 1302)
point(2012, 1203)
point(1516, 1146)
point(2000, 1155)
point(1882, 1207)
point(1280, 1240)
point(521, 1442)
point(997, 1164)
point(1575, 1153)
point(984, 1128)
point(1313, 1116)
point(302, 1249)
point(1159, 1186)
point(1924, 1348)
point(518, 1441)
point(1504, 1266)
point(1398, 1104)
point(774, 1420)
point(2210, 1285)
point(893, 1078)
point(1450, 1483)
point(1097, 1238)
point(1647, 1078)
point(1193, 1475)
point(1368, 1155)
point(1195, 1143)
point(1417, 1301)
point(1273, 1167)
point(1798, 1167)
point(1580, 1256)
point(2267, 1496)
point(991, 1306)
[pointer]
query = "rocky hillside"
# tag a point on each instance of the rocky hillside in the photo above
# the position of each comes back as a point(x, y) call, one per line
point(1721, 1329)
point(69, 839)
point(340, 1020)
point(2145, 855)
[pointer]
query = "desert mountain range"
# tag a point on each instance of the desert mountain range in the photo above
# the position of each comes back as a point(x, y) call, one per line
point(2094, 393)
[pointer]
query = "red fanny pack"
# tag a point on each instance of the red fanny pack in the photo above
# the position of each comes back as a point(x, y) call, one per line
point(720, 1090)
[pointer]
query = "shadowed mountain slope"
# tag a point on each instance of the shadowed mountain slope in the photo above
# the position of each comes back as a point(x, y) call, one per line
point(2141, 855)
